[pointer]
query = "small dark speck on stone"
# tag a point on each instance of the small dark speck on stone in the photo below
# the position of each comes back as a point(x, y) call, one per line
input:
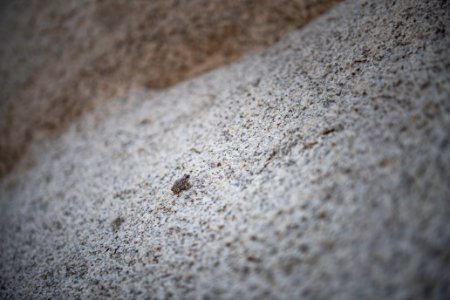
point(256, 82)
point(117, 223)
point(195, 150)
point(328, 131)
point(181, 184)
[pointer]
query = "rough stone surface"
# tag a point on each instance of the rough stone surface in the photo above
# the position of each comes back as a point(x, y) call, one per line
point(58, 59)
point(319, 169)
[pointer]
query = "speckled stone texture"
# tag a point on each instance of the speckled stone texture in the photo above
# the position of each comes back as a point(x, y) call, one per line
point(320, 169)
point(61, 58)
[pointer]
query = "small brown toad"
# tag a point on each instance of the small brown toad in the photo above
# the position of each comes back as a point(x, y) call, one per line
point(181, 184)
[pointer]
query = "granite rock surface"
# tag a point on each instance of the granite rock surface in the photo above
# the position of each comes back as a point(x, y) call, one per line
point(60, 59)
point(318, 169)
